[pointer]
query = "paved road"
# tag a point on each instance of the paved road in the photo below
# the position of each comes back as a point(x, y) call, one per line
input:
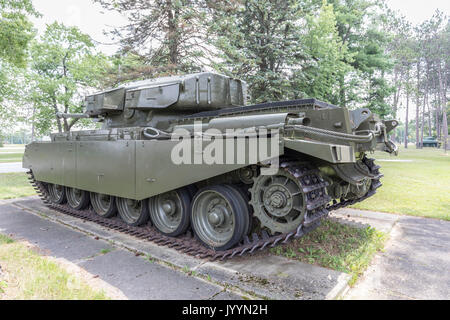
point(415, 263)
point(11, 167)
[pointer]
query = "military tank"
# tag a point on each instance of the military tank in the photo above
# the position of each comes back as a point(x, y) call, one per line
point(184, 162)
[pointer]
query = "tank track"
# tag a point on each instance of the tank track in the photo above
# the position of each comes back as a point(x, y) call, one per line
point(376, 183)
point(309, 178)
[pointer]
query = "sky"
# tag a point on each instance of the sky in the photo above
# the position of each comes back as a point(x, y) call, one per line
point(93, 19)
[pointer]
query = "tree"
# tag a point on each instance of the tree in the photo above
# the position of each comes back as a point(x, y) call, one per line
point(259, 42)
point(361, 29)
point(316, 76)
point(168, 33)
point(64, 64)
point(16, 30)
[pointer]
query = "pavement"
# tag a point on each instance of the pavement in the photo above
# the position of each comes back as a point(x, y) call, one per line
point(142, 270)
point(415, 263)
point(11, 167)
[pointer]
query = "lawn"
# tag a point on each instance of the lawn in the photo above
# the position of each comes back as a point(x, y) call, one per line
point(11, 153)
point(336, 246)
point(419, 185)
point(15, 185)
point(26, 275)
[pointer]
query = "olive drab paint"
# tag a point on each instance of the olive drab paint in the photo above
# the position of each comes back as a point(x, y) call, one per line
point(196, 130)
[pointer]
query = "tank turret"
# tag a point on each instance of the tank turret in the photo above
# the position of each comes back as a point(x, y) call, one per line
point(145, 102)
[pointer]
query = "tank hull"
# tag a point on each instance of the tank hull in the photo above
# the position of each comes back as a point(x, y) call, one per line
point(178, 152)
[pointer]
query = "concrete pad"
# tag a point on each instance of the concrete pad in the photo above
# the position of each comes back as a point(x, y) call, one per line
point(119, 239)
point(381, 221)
point(414, 264)
point(139, 279)
point(121, 269)
point(225, 295)
point(261, 275)
point(275, 277)
point(54, 239)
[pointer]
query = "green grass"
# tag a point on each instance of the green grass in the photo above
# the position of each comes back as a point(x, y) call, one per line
point(11, 153)
point(105, 251)
point(417, 188)
point(15, 185)
point(5, 240)
point(10, 157)
point(29, 276)
point(336, 246)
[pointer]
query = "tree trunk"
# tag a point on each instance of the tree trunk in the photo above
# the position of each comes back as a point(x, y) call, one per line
point(423, 123)
point(396, 100)
point(342, 95)
point(58, 120)
point(407, 113)
point(443, 100)
point(437, 115)
point(32, 125)
point(445, 129)
point(418, 106)
point(430, 129)
point(173, 36)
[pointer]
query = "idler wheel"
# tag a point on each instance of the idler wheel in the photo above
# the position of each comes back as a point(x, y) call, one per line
point(77, 199)
point(170, 212)
point(133, 212)
point(57, 194)
point(104, 205)
point(219, 217)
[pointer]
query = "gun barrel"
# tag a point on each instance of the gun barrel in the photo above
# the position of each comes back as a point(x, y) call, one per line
point(72, 115)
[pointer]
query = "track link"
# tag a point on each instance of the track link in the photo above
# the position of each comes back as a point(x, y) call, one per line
point(309, 179)
point(376, 183)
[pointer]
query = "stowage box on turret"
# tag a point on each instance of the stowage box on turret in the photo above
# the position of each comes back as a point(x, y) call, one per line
point(183, 161)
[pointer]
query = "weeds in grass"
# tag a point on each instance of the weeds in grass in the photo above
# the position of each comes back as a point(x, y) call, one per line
point(5, 240)
point(336, 246)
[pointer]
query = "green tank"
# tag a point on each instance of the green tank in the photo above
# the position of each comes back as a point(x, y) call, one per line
point(184, 162)
point(431, 142)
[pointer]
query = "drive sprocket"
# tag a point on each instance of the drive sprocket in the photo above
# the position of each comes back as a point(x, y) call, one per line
point(295, 195)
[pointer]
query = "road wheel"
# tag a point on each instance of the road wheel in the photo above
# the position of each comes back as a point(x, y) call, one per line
point(219, 217)
point(170, 212)
point(104, 205)
point(133, 212)
point(57, 194)
point(77, 199)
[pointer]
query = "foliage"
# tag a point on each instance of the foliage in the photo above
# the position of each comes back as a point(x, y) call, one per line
point(327, 52)
point(353, 53)
point(168, 34)
point(63, 65)
point(16, 30)
point(260, 42)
